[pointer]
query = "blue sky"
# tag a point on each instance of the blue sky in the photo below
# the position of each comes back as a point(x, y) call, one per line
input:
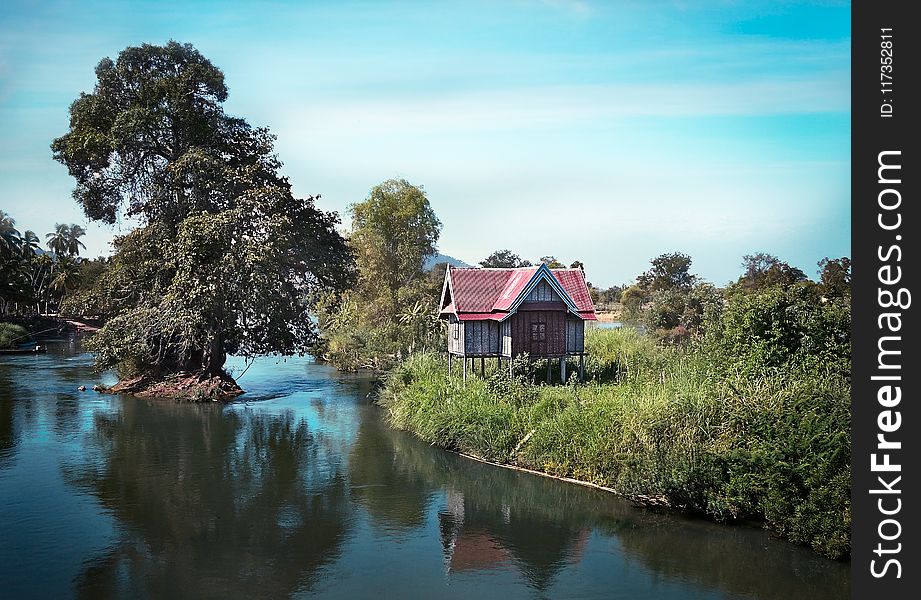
point(608, 132)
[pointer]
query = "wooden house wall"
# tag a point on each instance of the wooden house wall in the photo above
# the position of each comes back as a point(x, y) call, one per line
point(505, 331)
point(542, 292)
point(575, 336)
point(455, 327)
point(554, 338)
point(481, 338)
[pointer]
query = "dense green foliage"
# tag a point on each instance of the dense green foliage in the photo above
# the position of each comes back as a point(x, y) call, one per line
point(670, 301)
point(835, 276)
point(741, 424)
point(392, 310)
point(12, 334)
point(32, 280)
point(763, 270)
point(668, 272)
point(226, 259)
point(504, 259)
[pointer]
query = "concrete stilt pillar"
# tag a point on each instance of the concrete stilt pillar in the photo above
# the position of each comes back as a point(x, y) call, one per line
point(465, 369)
point(563, 369)
point(482, 367)
point(449, 364)
point(581, 367)
point(549, 365)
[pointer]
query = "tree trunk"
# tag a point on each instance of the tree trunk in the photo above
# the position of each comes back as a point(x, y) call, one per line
point(214, 355)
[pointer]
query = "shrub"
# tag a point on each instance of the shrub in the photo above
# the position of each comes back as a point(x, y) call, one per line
point(779, 327)
point(12, 334)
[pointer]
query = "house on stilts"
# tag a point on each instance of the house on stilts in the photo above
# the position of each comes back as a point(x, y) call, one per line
point(505, 313)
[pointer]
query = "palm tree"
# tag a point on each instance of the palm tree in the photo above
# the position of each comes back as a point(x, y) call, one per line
point(9, 235)
point(73, 240)
point(65, 239)
point(6, 222)
point(57, 239)
point(42, 270)
point(29, 245)
point(67, 278)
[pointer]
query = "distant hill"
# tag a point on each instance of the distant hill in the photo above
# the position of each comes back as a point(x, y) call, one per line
point(444, 258)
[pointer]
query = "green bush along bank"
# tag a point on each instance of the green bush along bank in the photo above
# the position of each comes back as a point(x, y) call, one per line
point(12, 334)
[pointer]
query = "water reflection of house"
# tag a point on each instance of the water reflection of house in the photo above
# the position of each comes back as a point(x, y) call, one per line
point(475, 551)
point(478, 538)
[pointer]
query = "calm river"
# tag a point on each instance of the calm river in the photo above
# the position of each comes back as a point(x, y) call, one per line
point(300, 489)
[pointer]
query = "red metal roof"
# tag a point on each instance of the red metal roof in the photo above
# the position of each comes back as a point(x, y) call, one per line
point(573, 281)
point(476, 290)
point(483, 294)
point(514, 285)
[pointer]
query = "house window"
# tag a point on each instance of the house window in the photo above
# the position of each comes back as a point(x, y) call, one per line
point(455, 327)
point(538, 332)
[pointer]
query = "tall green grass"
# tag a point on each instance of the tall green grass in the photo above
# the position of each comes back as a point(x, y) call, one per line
point(655, 421)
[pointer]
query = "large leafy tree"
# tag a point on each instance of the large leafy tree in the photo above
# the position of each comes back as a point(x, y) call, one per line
point(670, 271)
point(835, 276)
point(763, 270)
point(504, 259)
point(393, 309)
point(394, 231)
point(226, 259)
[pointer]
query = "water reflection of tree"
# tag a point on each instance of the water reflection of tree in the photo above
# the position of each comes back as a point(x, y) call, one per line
point(212, 502)
point(383, 478)
point(740, 561)
point(9, 436)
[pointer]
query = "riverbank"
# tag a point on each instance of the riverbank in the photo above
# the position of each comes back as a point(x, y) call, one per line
point(656, 422)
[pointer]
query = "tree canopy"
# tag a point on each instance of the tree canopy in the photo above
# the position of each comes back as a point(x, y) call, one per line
point(153, 140)
point(65, 239)
point(392, 310)
point(670, 271)
point(835, 276)
point(394, 231)
point(763, 270)
point(30, 277)
point(504, 259)
point(552, 262)
point(226, 259)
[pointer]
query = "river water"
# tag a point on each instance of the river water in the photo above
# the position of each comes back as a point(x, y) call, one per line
point(300, 489)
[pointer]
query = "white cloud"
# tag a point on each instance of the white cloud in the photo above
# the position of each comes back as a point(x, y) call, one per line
point(529, 108)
